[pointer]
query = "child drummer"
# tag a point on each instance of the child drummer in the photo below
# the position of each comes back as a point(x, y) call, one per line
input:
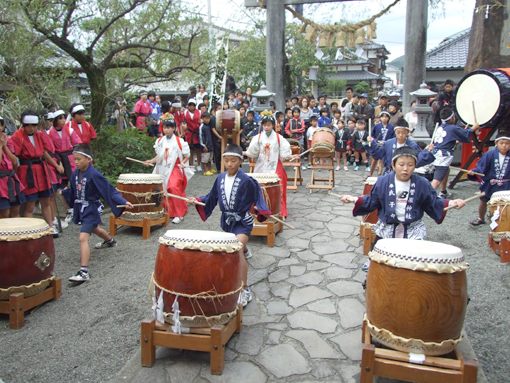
point(495, 165)
point(401, 198)
point(235, 192)
point(86, 186)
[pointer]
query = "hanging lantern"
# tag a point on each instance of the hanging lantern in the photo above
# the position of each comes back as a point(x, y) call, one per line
point(369, 32)
point(323, 40)
point(340, 39)
point(360, 36)
point(302, 29)
point(311, 35)
point(352, 40)
point(374, 27)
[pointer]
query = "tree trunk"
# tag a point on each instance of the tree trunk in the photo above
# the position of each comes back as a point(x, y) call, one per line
point(99, 100)
point(489, 42)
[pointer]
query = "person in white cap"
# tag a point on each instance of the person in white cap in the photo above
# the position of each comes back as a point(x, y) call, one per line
point(83, 129)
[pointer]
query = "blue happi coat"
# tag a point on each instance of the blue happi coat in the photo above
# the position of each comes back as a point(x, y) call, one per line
point(84, 196)
point(497, 176)
point(446, 137)
point(381, 133)
point(236, 217)
point(422, 199)
point(385, 153)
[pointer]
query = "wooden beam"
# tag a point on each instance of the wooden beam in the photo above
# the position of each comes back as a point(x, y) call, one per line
point(255, 3)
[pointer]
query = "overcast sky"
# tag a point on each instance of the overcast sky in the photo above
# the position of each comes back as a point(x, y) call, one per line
point(453, 17)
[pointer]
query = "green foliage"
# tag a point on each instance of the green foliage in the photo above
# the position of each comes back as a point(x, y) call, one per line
point(334, 88)
point(111, 148)
point(362, 87)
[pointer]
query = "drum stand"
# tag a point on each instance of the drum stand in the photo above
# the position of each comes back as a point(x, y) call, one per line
point(267, 229)
point(297, 174)
point(368, 236)
point(382, 362)
point(212, 340)
point(17, 304)
point(145, 224)
point(501, 248)
point(226, 135)
point(329, 156)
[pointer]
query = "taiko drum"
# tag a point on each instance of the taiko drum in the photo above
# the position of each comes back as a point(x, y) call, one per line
point(229, 120)
point(416, 295)
point(139, 188)
point(323, 139)
point(295, 145)
point(202, 269)
point(27, 256)
point(270, 184)
point(369, 184)
point(500, 202)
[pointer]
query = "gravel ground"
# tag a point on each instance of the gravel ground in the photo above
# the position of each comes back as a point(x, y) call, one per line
point(93, 329)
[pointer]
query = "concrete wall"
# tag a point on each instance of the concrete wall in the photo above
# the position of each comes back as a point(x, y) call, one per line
point(440, 76)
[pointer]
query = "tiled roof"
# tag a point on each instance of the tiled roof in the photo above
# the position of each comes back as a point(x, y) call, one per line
point(354, 61)
point(373, 45)
point(359, 75)
point(451, 53)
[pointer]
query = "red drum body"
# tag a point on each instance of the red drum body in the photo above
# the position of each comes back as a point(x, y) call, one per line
point(27, 256)
point(229, 120)
point(295, 146)
point(489, 91)
point(416, 295)
point(323, 139)
point(142, 188)
point(202, 270)
point(271, 190)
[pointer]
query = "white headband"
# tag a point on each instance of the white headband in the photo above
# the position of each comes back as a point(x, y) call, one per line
point(404, 155)
point(232, 154)
point(58, 113)
point(30, 120)
point(176, 104)
point(446, 119)
point(501, 138)
point(192, 101)
point(401, 127)
point(77, 108)
point(50, 116)
point(83, 154)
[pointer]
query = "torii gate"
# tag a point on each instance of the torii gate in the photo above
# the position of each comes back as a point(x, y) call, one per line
point(416, 44)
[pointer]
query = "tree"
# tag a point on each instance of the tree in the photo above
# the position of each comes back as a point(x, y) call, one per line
point(362, 87)
point(120, 43)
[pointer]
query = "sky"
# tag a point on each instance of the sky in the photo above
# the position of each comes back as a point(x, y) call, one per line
point(452, 17)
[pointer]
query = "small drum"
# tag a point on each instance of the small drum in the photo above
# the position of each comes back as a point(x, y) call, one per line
point(499, 205)
point(201, 270)
point(323, 140)
point(142, 188)
point(295, 145)
point(369, 184)
point(27, 256)
point(489, 90)
point(229, 120)
point(416, 295)
point(270, 184)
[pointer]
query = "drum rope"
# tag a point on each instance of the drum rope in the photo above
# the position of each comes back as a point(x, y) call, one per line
point(146, 195)
point(266, 195)
point(25, 288)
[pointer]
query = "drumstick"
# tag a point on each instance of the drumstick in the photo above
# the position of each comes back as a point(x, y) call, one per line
point(139, 204)
point(132, 159)
point(478, 195)
point(434, 134)
point(183, 199)
point(352, 200)
point(278, 219)
point(306, 151)
point(474, 111)
point(467, 171)
point(369, 126)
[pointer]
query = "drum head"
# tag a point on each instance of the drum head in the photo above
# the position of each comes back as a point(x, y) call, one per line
point(15, 229)
point(418, 255)
point(483, 90)
point(500, 197)
point(370, 180)
point(207, 241)
point(265, 178)
point(140, 178)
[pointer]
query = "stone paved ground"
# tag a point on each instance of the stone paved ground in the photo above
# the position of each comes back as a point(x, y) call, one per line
point(304, 323)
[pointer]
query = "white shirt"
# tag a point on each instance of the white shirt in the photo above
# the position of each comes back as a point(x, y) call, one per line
point(400, 145)
point(229, 182)
point(79, 126)
point(32, 139)
point(309, 133)
point(402, 192)
point(501, 159)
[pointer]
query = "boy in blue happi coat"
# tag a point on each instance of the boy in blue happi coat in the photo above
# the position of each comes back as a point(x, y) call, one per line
point(235, 193)
point(401, 199)
point(495, 165)
point(86, 186)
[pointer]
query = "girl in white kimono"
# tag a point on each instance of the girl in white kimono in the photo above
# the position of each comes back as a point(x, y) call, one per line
point(172, 154)
point(269, 148)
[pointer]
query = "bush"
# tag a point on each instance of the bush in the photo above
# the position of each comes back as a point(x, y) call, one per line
point(111, 148)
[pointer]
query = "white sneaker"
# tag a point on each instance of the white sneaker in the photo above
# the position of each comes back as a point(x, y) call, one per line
point(177, 219)
point(55, 232)
point(81, 276)
point(69, 217)
point(63, 224)
point(248, 254)
point(303, 167)
point(199, 168)
point(245, 297)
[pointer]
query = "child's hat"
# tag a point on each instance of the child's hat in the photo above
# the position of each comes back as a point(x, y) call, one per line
point(168, 120)
point(267, 115)
point(386, 113)
point(192, 101)
point(363, 95)
point(502, 135)
point(142, 92)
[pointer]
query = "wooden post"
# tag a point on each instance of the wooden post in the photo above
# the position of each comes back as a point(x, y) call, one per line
point(217, 350)
point(17, 314)
point(148, 348)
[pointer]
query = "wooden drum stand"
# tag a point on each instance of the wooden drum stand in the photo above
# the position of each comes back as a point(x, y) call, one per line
point(329, 156)
point(212, 340)
point(501, 248)
point(383, 362)
point(145, 224)
point(267, 229)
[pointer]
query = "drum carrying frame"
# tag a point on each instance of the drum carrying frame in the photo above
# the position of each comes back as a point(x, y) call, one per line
point(145, 224)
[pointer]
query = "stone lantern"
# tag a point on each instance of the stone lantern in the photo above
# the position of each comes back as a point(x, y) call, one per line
point(263, 97)
point(422, 109)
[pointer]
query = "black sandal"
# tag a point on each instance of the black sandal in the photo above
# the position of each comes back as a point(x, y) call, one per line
point(477, 222)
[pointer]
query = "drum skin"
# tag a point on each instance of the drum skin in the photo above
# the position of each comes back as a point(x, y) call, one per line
point(192, 272)
point(274, 192)
point(142, 188)
point(19, 259)
point(416, 304)
point(323, 135)
point(229, 120)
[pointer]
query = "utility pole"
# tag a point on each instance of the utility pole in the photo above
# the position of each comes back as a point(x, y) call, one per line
point(275, 51)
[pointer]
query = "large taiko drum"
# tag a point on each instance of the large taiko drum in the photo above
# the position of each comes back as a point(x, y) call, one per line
point(202, 270)
point(229, 120)
point(369, 184)
point(416, 295)
point(27, 256)
point(270, 184)
point(323, 140)
point(295, 145)
point(499, 210)
point(489, 91)
point(140, 188)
